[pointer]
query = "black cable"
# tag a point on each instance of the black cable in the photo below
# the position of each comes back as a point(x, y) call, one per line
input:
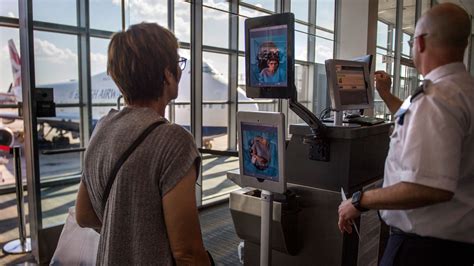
point(324, 113)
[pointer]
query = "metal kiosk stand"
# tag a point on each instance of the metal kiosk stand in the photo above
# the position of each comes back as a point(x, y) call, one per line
point(262, 159)
point(23, 244)
point(266, 228)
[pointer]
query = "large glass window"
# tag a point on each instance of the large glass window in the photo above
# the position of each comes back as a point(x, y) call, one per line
point(182, 20)
point(325, 12)
point(214, 170)
point(110, 22)
point(58, 61)
point(181, 107)
point(215, 110)
point(301, 42)
point(9, 8)
point(386, 43)
point(216, 27)
point(10, 94)
point(263, 4)
point(324, 50)
point(56, 66)
point(300, 8)
point(147, 11)
point(61, 12)
point(104, 91)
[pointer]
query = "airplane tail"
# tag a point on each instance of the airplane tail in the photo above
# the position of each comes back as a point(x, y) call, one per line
point(16, 69)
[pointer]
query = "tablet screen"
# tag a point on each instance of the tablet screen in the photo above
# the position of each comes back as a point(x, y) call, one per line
point(268, 61)
point(260, 151)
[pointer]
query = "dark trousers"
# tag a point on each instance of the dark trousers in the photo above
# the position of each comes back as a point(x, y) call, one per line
point(410, 249)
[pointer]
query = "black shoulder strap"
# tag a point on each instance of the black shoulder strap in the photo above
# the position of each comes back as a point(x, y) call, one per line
point(419, 90)
point(124, 157)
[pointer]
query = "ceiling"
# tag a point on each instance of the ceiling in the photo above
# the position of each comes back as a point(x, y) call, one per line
point(387, 11)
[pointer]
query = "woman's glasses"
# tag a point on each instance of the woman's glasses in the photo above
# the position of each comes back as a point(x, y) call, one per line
point(182, 62)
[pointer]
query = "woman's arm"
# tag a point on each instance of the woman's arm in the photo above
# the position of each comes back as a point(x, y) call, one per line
point(85, 214)
point(182, 222)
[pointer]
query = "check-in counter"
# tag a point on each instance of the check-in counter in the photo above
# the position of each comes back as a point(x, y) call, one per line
point(304, 228)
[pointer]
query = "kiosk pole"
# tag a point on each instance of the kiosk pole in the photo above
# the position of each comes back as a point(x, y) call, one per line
point(266, 228)
point(338, 118)
point(23, 244)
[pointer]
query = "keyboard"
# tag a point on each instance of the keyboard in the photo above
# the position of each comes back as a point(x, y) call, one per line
point(366, 120)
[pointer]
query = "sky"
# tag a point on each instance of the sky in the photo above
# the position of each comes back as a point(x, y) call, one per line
point(56, 54)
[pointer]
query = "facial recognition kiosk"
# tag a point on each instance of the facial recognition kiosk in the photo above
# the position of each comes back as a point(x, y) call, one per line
point(318, 160)
point(262, 161)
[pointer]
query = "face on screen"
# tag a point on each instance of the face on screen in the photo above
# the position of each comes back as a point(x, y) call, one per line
point(260, 151)
point(268, 60)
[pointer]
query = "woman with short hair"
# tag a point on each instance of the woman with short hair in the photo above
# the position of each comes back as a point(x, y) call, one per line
point(150, 216)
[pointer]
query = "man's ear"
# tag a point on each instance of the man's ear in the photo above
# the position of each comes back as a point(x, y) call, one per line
point(421, 45)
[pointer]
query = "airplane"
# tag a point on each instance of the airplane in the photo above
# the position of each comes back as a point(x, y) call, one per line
point(105, 91)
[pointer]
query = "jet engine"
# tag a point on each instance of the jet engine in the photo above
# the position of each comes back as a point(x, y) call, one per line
point(6, 136)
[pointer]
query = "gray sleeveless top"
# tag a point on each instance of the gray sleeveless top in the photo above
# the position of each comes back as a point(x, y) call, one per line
point(133, 227)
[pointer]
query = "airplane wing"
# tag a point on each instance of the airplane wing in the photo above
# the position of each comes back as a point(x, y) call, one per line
point(10, 116)
point(55, 122)
point(60, 123)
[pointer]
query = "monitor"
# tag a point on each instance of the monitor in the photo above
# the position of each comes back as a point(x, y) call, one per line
point(262, 150)
point(349, 84)
point(365, 58)
point(269, 60)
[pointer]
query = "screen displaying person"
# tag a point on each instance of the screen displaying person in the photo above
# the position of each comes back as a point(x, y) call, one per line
point(269, 74)
point(269, 62)
point(260, 152)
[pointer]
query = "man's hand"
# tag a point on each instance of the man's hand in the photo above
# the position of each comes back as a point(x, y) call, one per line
point(383, 82)
point(347, 212)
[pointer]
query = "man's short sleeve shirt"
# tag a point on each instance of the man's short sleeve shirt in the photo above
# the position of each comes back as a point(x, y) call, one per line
point(435, 147)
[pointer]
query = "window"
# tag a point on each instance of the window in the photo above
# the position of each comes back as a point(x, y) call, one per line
point(104, 91)
point(325, 10)
point(57, 59)
point(9, 8)
point(263, 4)
point(60, 12)
point(300, 8)
point(182, 20)
point(147, 11)
point(215, 110)
point(216, 28)
point(181, 107)
point(110, 22)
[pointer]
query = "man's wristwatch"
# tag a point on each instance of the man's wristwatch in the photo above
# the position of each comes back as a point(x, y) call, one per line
point(356, 197)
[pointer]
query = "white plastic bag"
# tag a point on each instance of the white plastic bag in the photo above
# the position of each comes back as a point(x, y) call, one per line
point(76, 245)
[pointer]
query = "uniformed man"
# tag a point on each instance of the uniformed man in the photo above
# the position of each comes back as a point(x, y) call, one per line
point(427, 197)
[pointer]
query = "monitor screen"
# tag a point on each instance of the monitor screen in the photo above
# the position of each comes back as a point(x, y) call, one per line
point(260, 151)
point(269, 57)
point(268, 62)
point(351, 85)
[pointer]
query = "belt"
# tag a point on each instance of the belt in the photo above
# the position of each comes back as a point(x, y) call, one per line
point(397, 231)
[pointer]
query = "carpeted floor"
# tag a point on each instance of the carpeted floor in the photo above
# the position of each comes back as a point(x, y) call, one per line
point(219, 234)
point(217, 229)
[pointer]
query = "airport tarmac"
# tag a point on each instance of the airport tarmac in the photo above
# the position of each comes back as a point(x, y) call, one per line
point(54, 166)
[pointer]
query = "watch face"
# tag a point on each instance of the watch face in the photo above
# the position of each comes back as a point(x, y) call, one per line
point(356, 197)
